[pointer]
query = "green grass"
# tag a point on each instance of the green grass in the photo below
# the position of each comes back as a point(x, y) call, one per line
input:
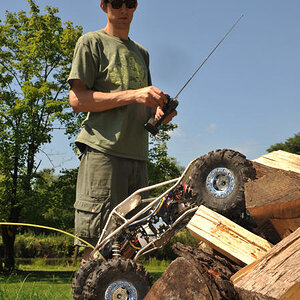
point(43, 282)
point(155, 267)
point(38, 281)
point(37, 285)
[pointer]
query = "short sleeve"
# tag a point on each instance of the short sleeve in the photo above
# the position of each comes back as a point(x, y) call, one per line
point(146, 59)
point(84, 65)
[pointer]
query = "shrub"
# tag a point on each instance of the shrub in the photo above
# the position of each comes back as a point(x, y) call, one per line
point(29, 245)
point(45, 246)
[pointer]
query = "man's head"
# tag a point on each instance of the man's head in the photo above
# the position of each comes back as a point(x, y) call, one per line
point(119, 14)
point(117, 4)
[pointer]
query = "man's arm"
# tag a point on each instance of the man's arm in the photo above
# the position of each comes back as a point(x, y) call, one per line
point(83, 99)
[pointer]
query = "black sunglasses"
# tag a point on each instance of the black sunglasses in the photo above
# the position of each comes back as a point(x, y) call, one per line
point(116, 4)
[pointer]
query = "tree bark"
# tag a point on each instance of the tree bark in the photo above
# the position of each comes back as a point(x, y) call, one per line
point(273, 200)
point(8, 237)
point(276, 275)
point(276, 195)
point(197, 275)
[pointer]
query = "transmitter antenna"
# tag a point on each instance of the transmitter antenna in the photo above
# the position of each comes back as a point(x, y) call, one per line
point(224, 37)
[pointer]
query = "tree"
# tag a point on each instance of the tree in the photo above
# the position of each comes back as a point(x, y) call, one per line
point(60, 193)
point(52, 201)
point(35, 57)
point(162, 167)
point(291, 145)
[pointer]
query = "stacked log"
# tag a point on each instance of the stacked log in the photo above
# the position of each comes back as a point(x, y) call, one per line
point(204, 273)
point(226, 237)
point(237, 264)
point(281, 160)
point(197, 274)
point(275, 275)
point(273, 200)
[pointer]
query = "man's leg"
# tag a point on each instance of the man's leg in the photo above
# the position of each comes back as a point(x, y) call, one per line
point(93, 197)
point(103, 182)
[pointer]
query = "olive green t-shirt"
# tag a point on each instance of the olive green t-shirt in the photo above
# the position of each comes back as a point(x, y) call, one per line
point(109, 64)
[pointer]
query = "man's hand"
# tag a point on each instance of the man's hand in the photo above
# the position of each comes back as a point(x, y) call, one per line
point(151, 96)
point(159, 113)
point(154, 97)
point(84, 100)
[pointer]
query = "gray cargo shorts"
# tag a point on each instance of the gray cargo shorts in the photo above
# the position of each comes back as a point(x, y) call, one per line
point(103, 182)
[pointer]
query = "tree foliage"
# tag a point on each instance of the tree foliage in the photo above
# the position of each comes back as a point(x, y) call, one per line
point(291, 145)
point(162, 167)
point(36, 51)
point(35, 55)
point(52, 200)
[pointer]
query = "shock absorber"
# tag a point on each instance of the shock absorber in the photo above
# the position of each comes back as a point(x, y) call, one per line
point(116, 251)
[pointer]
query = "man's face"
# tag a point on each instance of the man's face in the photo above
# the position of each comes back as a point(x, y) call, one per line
point(119, 17)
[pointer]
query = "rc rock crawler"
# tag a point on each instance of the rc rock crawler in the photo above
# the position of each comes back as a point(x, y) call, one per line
point(215, 180)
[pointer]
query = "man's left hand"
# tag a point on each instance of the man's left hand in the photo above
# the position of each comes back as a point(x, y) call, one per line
point(159, 113)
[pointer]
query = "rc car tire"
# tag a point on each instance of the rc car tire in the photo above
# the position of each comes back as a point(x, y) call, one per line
point(81, 276)
point(117, 279)
point(217, 181)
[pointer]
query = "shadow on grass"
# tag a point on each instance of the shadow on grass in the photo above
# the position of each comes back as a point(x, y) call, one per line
point(38, 276)
point(49, 277)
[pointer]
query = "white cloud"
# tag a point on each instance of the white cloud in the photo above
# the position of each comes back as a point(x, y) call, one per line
point(248, 148)
point(176, 133)
point(212, 127)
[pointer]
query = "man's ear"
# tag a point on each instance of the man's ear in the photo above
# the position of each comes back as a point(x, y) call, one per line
point(103, 6)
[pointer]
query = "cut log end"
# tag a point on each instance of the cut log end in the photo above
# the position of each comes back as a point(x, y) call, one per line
point(196, 274)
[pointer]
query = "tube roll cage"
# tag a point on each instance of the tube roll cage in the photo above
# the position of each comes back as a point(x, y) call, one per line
point(131, 202)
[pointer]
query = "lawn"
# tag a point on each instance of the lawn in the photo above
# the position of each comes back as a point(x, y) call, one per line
point(37, 285)
point(51, 282)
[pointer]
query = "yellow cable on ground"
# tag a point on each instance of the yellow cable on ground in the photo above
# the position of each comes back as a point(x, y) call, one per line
point(54, 229)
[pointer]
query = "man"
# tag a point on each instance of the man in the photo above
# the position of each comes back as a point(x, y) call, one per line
point(110, 80)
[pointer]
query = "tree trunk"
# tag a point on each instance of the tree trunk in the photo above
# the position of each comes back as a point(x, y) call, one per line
point(9, 232)
point(8, 236)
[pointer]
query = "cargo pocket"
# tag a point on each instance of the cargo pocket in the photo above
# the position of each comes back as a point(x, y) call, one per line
point(89, 206)
point(91, 214)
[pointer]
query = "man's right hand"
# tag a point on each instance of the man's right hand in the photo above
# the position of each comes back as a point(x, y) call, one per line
point(151, 96)
point(84, 100)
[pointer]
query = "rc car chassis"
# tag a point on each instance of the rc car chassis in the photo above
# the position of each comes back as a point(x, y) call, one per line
point(140, 225)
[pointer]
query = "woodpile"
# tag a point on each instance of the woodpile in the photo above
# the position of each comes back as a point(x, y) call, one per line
point(273, 200)
point(234, 263)
point(280, 160)
point(275, 275)
point(226, 237)
point(196, 274)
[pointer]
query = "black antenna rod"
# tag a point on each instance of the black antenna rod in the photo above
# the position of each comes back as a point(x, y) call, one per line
point(208, 57)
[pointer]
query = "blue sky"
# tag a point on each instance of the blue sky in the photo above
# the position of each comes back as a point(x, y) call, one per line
point(246, 97)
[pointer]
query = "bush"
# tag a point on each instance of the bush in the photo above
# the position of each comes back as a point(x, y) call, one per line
point(28, 245)
point(44, 246)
